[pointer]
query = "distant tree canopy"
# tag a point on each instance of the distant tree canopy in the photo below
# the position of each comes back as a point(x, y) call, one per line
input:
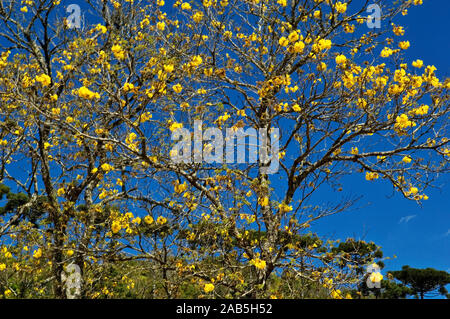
point(423, 283)
point(89, 119)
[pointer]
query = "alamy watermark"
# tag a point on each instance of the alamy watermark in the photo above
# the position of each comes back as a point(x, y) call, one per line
point(375, 277)
point(374, 19)
point(74, 19)
point(211, 146)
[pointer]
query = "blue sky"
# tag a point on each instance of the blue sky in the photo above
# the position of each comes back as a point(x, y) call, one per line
point(418, 236)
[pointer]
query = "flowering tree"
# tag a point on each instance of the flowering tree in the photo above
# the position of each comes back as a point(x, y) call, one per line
point(88, 116)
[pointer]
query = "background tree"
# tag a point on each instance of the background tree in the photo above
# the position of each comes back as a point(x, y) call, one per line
point(422, 283)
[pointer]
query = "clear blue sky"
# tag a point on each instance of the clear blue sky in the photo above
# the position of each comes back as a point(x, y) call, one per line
point(419, 236)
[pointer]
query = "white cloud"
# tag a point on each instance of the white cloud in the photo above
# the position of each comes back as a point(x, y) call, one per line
point(406, 219)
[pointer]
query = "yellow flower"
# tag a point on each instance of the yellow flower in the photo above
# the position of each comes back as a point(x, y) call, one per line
point(185, 6)
point(375, 277)
point(371, 176)
point(406, 159)
point(24, 9)
point(421, 110)
point(196, 60)
point(263, 201)
point(208, 288)
point(175, 126)
point(161, 26)
point(145, 22)
point(340, 7)
point(296, 108)
point(322, 66)
point(404, 45)
point(118, 52)
point(161, 220)
point(115, 227)
point(403, 122)
point(37, 253)
point(100, 28)
point(69, 119)
point(148, 219)
point(362, 103)
point(2, 267)
point(85, 93)
point(258, 263)
point(130, 138)
point(61, 192)
point(324, 44)
point(168, 68)
point(417, 64)
point(386, 52)
point(284, 208)
point(293, 36)
point(180, 188)
point(398, 30)
point(55, 111)
point(283, 41)
point(70, 252)
point(336, 294)
point(241, 113)
point(44, 79)
point(127, 87)
point(341, 59)
point(107, 167)
point(298, 47)
point(197, 17)
point(177, 88)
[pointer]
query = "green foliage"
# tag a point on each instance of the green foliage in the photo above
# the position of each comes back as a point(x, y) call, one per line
point(392, 290)
point(423, 282)
point(16, 200)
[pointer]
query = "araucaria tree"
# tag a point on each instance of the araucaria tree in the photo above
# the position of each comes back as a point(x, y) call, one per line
point(86, 161)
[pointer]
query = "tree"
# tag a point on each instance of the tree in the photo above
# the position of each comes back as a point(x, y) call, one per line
point(89, 116)
point(393, 290)
point(426, 282)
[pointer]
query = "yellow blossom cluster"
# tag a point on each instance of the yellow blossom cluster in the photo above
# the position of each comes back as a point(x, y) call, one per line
point(180, 188)
point(118, 52)
point(258, 263)
point(402, 122)
point(208, 288)
point(284, 208)
point(421, 110)
point(44, 79)
point(85, 93)
point(340, 7)
point(370, 176)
